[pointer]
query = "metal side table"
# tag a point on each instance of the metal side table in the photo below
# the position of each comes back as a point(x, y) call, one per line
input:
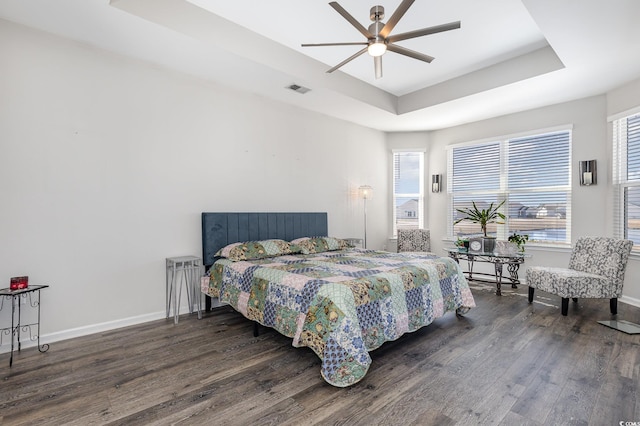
point(15, 296)
point(183, 270)
point(512, 260)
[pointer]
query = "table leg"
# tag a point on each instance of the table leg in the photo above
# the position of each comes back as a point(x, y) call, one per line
point(186, 275)
point(197, 293)
point(498, 266)
point(513, 273)
point(175, 286)
point(19, 316)
point(168, 285)
point(45, 347)
point(13, 329)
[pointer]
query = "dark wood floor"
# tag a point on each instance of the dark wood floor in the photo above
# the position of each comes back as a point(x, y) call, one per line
point(506, 362)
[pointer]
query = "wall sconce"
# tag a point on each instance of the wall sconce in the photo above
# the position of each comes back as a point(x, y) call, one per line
point(588, 175)
point(435, 183)
point(366, 193)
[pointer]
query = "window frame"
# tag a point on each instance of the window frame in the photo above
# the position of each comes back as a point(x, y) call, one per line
point(503, 193)
point(621, 182)
point(420, 195)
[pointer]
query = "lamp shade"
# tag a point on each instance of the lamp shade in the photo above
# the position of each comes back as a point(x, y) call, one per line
point(365, 192)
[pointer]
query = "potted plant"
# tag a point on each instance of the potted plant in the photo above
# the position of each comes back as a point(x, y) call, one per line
point(483, 217)
point(519, 239)
point(462, 244)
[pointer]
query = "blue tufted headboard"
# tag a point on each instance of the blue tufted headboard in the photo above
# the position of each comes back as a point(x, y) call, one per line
point(220, 229)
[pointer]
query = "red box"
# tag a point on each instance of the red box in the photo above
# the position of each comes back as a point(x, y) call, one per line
point(18, 283)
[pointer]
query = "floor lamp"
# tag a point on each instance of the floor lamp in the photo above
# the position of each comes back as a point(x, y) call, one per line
point(366, 193)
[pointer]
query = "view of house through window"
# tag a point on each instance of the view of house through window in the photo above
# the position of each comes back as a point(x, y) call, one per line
point(626, 178)
point(408, 190)
point(531, 174)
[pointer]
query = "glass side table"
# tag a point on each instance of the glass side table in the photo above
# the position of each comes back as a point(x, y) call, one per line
point(31, 295)
point(511, 260)
point(183, 270)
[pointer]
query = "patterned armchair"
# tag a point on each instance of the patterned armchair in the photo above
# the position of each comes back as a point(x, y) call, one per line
point(596, 270)
point(414, 240)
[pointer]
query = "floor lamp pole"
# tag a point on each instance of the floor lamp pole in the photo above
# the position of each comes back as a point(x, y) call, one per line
point(365, 222)
point(365, 192)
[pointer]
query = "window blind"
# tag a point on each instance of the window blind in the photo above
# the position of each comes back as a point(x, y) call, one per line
point(531, 174)
point(626, 178)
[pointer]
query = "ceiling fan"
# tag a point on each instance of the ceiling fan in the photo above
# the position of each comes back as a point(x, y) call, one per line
point(378, 38)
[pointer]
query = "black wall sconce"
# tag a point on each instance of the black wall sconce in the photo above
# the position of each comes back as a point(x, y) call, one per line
point(435, 183)
point(588, 175)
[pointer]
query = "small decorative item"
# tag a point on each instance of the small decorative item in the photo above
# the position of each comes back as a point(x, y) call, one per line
point(476, 245)
point(506, 248)
point(18, 283)
point(519, 239)
point(462, 244)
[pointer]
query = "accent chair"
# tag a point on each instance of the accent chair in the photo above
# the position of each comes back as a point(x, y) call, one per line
point(417, 240)
point(596, 270)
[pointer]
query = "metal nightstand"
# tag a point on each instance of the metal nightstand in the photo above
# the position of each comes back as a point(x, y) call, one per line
point(187, 270)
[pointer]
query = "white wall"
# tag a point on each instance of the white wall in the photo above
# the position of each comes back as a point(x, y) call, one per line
point(590, 205)
point(624, 98)
point(106, 164)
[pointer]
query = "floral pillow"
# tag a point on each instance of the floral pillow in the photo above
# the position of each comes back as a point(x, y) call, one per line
point(309, 245)
point(251, 250)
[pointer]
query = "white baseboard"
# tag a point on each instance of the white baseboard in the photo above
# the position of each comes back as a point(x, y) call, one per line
point(630, 301)
point(86, 330)
point(95, 328)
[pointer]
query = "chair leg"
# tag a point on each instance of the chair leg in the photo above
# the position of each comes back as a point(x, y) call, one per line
point(531, 290)
point(613, 304)
point(565, 306)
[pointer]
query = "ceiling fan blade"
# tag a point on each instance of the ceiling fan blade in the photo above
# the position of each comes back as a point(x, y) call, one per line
point(365, 32)
point(424, 32)
point(377, 62)
point(399, 13)
point(411, 53)
point(349, 59)
point(355, 43)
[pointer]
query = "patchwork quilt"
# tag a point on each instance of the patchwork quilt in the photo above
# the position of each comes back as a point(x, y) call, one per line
point(342, 304)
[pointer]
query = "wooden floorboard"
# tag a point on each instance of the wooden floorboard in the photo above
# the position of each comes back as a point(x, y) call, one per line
point(505, 363)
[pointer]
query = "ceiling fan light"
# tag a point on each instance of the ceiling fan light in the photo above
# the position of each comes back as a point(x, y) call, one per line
point(377, 49)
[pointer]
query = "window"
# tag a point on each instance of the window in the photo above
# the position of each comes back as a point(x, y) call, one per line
point(408, 190)
point(626, 178)
point(531, 174)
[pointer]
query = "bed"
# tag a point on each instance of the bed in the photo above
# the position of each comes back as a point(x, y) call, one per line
point(341, 302)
